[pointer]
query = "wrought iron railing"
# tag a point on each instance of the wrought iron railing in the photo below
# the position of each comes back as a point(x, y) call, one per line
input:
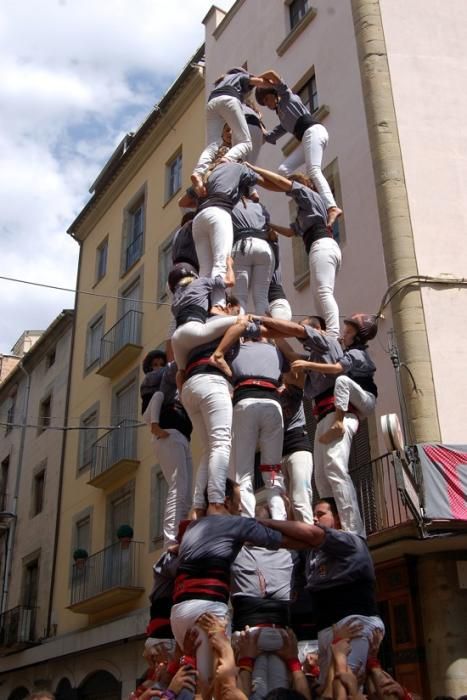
point(126, 330)
point(113, 446)
point(112, 567)
point(381, 504)
point(134, 251)
point(17, 626)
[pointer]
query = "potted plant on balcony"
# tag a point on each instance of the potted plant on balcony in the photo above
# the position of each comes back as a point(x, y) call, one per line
point(80, 557)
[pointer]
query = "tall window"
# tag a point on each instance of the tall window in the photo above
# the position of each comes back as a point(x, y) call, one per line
point(30, 583)
point(159, 490)
point(45, 413)
point(10, 413)
point(101, 259)
point(331, 173)
point(297, 10)
point(309, 94)
point(38, 491)
point(134, 235)
point(174, 175)
point(50, 358)
point(87, 438)
point(83, 533)
point(93, 344)
point(121, 507)
point(163, 267)
point(5, 467)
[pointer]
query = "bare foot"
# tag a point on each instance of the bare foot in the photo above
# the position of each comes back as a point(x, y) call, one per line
point(333, 214)
point(335, 432)
point(217, 509)
point(198, 185)
point(217, 359)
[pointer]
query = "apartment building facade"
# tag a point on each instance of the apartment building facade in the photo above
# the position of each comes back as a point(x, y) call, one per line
point(373, 74)
point(33, 401)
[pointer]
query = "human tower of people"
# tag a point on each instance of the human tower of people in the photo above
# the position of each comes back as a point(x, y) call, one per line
point(255, 600)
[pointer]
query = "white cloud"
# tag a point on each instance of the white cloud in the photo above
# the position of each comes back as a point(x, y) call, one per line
point(75, 76)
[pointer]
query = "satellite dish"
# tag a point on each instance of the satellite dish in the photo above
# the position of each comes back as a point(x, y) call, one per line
point(392, 432)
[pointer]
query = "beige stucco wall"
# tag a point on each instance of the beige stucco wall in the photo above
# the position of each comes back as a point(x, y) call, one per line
point(328, 44)
point(427, 57)
point(161, 219)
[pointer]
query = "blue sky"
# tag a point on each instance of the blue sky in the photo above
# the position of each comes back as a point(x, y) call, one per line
point(76, 75)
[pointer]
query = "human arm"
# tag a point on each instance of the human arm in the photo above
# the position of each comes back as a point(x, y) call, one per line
point(286, 328)
point(289, 655)
point(283, 184)
point(229, 277)
point(270, 76)
point(283, 230)
point(322, 367)
point(287, 350)
point(275, 134)
point(311, 535)
point(246, 652)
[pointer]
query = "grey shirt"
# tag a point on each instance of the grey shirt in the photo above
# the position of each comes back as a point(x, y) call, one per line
point(289, 109)
point(222, 537)
point(291, 399)
point(261, 360)
point(248, 215)
point(168, 384)
point(342, 558)
point(197, 293)
point(164, 572)
point(226, 184)
point(263, 573)
point(235, 83)
point(325, 349)
point(356, 362)
point(311, 208)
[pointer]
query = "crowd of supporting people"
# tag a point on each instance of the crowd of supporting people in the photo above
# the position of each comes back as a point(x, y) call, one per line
point(273, 599)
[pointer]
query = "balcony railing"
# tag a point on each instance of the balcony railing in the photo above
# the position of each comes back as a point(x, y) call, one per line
point(121, 344)
point(17, 627)
point(107, 578)
point(381, 504)
point(114, 455)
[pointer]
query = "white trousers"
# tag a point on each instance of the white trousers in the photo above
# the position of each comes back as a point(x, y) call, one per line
point(258, 422)
point(257, 140)
point(213, 239)
point(324, 261)
point(359, 645)
point(184, 616)
point(253, 272)
point(206, 398)
point(332, 478)
point(269, 672)
point(228, 110)
point(347, 391)
point(192, 334)
point(280, 308)
point(297, 469)
point(310, 151)
point(174, 456)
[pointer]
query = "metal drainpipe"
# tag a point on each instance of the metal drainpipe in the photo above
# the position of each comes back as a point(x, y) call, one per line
point(396, 227)
point(14, 509)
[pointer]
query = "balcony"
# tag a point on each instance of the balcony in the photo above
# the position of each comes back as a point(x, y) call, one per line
point(114, 455)
point(381, 503)
point(17, 628)
point(109, 577)
point(121, 344)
